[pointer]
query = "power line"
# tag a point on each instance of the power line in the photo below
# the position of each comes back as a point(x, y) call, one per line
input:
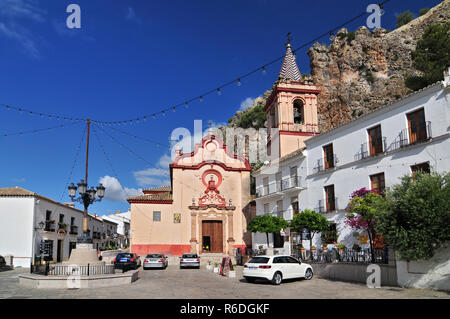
point(104, 152)
point(73, 165)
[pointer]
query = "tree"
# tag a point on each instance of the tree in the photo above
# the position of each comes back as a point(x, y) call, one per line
point(267, 224)
point(404, 18)
point(415, 219)
point(311, 221)
point(361, 210)
point(423, 11)
point(432, 56)
point(254, 117)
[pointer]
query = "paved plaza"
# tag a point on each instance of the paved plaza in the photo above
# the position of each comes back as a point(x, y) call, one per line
point(175, 283)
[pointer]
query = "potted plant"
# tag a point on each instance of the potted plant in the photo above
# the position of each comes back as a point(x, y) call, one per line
point(313, 248)
point(341, 247)
point(216, 267)
point(209, 266)
point(324, 247)
point(231, 273)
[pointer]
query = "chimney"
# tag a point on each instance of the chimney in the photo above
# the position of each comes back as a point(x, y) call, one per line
point(70, 205)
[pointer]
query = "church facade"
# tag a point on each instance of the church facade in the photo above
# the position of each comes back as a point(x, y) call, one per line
point(205, 210)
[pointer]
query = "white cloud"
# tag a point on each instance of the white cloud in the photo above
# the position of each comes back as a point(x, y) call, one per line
point(155, 176)
point(115, 192)
point(13, 14)
point(246, 103)
point(131, 16)
point(164, 161)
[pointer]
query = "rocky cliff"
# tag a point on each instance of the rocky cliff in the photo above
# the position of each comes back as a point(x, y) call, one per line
point(361, 71)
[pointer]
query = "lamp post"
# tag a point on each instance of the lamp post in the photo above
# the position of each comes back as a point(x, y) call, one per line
point(87, 197)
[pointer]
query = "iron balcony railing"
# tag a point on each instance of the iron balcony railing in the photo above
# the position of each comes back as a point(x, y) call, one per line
point(365, 151)
point(49, 225)
point(268, 189)
point(323, 165)
point(407, 137)
point(322, 206)
point(73, 229)
point(291, 182)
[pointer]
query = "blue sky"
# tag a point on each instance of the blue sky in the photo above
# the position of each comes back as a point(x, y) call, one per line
point(132, 58)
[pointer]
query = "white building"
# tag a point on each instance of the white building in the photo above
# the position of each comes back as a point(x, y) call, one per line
point(123, 226)
point(29, 222)
point(373, 151)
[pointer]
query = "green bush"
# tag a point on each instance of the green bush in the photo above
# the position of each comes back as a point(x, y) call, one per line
point(404, 18)
point(415, 217)
point(267, 224)
point(423, 11)
point(254, 117)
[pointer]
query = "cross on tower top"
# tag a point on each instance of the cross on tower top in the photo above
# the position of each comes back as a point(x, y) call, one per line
point(289, 39)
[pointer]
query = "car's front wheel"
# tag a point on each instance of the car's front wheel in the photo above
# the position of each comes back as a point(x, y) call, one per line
point(277, 278)
point(308, 274)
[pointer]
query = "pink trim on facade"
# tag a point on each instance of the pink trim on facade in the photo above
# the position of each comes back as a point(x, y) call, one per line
point(170, 250)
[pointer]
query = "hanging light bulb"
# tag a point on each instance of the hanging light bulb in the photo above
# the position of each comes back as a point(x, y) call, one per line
point(145, 118)
point(263, 70)
point(239, 82)
point(8, 107)
point(219, 92)
point(163, 113)
point(173, 108)
point(201, 98)
point(186, 104)
point(154, 116)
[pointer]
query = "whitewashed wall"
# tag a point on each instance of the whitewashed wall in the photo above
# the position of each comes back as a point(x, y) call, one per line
point(16, 229)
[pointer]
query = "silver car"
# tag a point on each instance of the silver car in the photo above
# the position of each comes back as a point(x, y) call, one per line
point(190, 260)
point(155, 261)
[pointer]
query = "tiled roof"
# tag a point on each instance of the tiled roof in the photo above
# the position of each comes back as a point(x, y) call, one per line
point(159, 189)
point(162, 196)
point(289, 69)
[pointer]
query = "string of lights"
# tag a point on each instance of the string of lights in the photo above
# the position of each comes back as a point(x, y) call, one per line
point(39, 114)
point(200, 98)
point(73, 165)
point(37, 130)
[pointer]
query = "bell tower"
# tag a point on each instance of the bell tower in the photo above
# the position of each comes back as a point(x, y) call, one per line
point(291, 109)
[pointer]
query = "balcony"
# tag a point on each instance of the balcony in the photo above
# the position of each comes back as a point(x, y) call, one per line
point(323, 165)
point(291, 184)
point(368, 150)
point(271, 190)
point(408, 137)
point(327, 207)
point(73, 230)
point(49, 225)
point(62, 226)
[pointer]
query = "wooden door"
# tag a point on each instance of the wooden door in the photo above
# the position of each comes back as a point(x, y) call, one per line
point(214, 230)
point(417, 127)
point(375, 140)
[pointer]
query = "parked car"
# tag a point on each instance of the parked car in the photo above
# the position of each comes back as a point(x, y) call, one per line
point(155, 261)
point(127, 261)
point(2, 261)
point(190, 260)
point(276, 268)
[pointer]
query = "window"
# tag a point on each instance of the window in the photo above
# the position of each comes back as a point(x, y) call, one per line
point(61, 218)
point(329, 198)
point(48, 215)
point(328, 156)
point(48, 250)
point(424, 168)
point(294, 203)
point(278, 240)
point(156, 216)
point(266, 185)
point(377, 183)
point(299, 116)
point(417, 127)
point(375, 140)
point(280, 208)
point(259, 260)
point(266, 209)
point(294, 178)
point(72, 221)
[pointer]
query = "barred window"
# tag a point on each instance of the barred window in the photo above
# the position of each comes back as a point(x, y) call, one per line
point(156, 216)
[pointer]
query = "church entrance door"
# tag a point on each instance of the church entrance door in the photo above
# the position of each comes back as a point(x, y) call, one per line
point(212, 236)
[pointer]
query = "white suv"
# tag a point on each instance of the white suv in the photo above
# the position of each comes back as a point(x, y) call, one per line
point(276, 268)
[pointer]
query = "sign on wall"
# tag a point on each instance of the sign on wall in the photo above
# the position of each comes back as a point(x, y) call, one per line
point(177, 218)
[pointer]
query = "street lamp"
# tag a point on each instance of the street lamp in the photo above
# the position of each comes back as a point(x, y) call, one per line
point(87, 197)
